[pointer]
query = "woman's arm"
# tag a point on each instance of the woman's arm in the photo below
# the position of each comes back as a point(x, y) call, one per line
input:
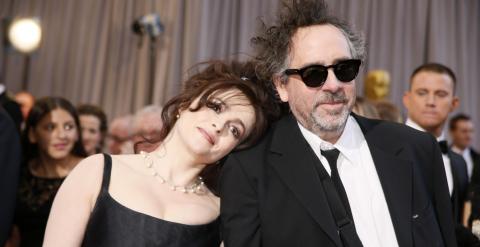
point(73, 204)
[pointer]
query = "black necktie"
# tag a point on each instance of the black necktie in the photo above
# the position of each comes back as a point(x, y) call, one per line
point(342, 213)
point(443, 146)
point(332, 156)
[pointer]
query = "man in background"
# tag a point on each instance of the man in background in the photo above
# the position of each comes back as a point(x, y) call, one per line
point(429, 100)
point(147, 126)
point(10, 158)
point(7, 101)
point(120, 133)
point(461, 132)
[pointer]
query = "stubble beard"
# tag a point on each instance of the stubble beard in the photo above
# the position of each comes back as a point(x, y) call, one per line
point(328, 122)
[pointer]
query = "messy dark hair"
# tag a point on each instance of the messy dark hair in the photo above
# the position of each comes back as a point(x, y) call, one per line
point(216, 78)
point(273, 43)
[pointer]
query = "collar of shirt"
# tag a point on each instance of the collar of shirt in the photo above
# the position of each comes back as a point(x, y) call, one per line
point(348, 143)
point(2, 88)
point(414, 125)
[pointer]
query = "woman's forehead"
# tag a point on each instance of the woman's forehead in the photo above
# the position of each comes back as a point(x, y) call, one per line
point(230, 96)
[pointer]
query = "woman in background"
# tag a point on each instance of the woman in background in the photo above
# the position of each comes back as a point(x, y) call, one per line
point(51, 149)
point(93, 123)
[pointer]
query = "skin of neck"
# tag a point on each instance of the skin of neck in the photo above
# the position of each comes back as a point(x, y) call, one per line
point(45, 165)
point(330, 136)
point(175, 163)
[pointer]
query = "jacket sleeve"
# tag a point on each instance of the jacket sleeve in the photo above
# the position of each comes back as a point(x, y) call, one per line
point(239, 206)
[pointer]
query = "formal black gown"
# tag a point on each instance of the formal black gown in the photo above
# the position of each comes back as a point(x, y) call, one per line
point(112, 224)
point(34, 201)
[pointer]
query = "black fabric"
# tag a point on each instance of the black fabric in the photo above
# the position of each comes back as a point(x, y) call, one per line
point(332, 156)
point(9, 172)
point(112, 224)
point(271, 194)
point(443, 146)
point(12, 108)
point(337, 200)
point(34, 201)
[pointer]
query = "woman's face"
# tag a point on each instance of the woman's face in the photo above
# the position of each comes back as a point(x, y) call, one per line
point(55, 134)
point(91, 135)
point(215, 129)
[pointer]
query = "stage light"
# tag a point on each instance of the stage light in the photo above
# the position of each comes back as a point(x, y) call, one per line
point(25, 34)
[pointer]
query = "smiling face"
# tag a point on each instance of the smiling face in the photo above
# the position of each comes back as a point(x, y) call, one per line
point(91, 135)
point(55, 134)
point(323, 110)
point(430, 100)
point(217, 128)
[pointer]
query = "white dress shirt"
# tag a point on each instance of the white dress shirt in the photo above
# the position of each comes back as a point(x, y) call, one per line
point(467, 156)
point(446, 159)
point(362, 185)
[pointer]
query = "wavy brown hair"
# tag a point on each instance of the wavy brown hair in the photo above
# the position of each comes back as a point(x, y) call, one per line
point(213, 78)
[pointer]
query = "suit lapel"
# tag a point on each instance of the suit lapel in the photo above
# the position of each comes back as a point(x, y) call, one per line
point(294, 161)
point(396, 177)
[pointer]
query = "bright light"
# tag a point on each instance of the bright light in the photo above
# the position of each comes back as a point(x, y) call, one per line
point(25, 34)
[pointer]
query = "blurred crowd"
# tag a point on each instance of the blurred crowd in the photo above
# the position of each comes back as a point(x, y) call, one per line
point(43, 139)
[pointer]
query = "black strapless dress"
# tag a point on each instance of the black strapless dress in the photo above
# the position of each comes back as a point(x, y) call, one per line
point(112, 224)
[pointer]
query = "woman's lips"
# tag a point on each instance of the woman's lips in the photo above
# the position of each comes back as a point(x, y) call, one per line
point(207, 136)
point(60, 146)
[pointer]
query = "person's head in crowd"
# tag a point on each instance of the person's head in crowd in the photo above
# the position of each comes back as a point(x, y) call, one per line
point(213, 90)
point(461, 131)
point(388, 111)
point(52, 132)
point(313, 59)
point(222, 98)
point(431, 97)
point(26, 101)
point(147, 124)
point(93, 123)
point(120, 133)
point(377, 85)
point(365, 108)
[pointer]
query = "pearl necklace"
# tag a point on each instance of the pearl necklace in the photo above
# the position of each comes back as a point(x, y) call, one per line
point(196, 187)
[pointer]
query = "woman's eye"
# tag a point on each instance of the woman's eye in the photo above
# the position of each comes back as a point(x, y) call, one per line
point(235, 131)
point(50, 127)
point(69, 126)
point(215, 106)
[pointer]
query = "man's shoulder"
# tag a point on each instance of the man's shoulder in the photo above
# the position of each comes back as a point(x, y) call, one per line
point(391, 130)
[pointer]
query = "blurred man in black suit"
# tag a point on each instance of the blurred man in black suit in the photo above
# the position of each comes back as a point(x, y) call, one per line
point(9, 172)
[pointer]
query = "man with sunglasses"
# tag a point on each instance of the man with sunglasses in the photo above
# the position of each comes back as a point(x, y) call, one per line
point(323, 176)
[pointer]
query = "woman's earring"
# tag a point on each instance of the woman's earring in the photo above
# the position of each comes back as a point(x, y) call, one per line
point(178, 116)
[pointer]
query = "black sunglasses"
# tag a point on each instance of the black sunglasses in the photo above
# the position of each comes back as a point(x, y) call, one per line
point(316, 75)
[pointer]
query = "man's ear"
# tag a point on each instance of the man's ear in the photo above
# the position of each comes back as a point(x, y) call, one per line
point(455, 103)
point(406, 99)
point(280, 85)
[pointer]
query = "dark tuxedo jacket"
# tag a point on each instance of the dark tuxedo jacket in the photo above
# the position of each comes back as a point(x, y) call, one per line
point(9, 172)
point(271, 194)
point(12, 108)
point(460, 184)
point(476, 167)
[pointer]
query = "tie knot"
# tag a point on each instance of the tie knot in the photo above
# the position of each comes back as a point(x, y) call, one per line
point(331, 156)
point(443, 146)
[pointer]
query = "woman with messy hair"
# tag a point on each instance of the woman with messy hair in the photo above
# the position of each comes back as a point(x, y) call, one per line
point(161, 198)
